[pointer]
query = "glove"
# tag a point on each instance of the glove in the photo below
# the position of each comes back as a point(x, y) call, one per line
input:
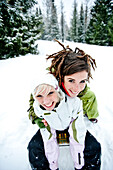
point(39, 122)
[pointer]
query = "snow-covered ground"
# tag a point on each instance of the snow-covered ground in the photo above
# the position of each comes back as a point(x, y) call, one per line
point(16, 80)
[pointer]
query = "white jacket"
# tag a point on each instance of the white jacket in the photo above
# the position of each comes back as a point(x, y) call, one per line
point(60, 118)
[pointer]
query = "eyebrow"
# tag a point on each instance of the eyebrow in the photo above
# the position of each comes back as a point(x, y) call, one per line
point(75, 80)
point(71, 79)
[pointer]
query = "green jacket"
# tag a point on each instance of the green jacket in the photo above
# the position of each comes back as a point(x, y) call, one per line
point(89, 107)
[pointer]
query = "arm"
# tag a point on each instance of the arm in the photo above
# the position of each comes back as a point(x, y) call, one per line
point(77, 136)
point(89, 104)
point(78, 125)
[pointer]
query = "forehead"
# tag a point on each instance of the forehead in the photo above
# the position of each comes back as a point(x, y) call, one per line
point(78, 76)
point(46, 90)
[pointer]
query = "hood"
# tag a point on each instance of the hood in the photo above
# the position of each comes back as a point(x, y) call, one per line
point(46, 79)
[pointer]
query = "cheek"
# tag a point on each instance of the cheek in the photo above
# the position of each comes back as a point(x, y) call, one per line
point(67, 84)
point(55, 98)
point(39, 100)
point(82, 87)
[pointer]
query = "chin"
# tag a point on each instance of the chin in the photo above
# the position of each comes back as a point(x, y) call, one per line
point(74, 96)
point(50, 109)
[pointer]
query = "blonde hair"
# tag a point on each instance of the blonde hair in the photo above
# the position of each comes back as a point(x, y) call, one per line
point(47, 88)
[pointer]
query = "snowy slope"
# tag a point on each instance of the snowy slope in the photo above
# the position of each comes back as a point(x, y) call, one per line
point(17, 76)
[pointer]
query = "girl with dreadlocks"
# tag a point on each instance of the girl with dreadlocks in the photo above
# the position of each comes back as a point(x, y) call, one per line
point(72, 69)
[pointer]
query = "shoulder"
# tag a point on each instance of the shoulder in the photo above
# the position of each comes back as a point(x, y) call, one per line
point(87, 94)
point(90, 95)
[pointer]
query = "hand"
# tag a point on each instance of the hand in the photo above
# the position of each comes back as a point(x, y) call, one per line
point(45, 122)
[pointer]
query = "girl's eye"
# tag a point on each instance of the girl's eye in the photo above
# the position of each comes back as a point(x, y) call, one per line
point(83, 81)
point(39, 96)
point(71, 81)
point(51, 92)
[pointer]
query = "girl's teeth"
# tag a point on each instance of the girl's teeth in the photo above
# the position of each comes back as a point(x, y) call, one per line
point(49, 105)
point(74, 92)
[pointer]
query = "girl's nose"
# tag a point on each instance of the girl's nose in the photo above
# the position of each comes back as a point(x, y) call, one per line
point(76, 88)
point(45, 100)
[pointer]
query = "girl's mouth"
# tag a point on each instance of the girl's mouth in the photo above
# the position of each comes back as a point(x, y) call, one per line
point(74, 92)
point(49, 105)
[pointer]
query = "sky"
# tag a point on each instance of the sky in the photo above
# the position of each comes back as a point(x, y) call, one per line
point(68, 7)
point(17, 76)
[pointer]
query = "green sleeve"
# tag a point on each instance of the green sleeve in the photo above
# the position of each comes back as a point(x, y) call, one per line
point(32, 116)
point(89, 103)
point(39, 122)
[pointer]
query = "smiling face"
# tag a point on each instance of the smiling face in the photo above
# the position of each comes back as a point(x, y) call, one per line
point(75, 83)
point(47, 98)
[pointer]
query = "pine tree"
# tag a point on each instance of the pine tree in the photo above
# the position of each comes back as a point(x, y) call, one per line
point(100, 27)
point(47, 19)
point(33, 26)
point(51, 25)
point(74, 23)
point(81, 26)
point(4, 28)
point(62, 22)
point(64, 29)
point(110, 31)
point(54, 22)
point(67, 33)
point(86, 18)
point(16, 38)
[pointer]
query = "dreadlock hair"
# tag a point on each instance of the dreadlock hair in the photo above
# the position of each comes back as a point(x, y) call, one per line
point(67, 62)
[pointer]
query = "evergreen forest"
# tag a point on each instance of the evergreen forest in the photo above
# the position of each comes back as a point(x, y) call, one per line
point(23, 22)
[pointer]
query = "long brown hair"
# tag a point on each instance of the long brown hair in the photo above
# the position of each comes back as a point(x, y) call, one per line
point(67, 62)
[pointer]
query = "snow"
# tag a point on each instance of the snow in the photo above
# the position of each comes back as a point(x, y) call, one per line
point(17, 76)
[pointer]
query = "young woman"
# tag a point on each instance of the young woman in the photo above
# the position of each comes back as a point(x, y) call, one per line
point(58, 112)
point(72, 69)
